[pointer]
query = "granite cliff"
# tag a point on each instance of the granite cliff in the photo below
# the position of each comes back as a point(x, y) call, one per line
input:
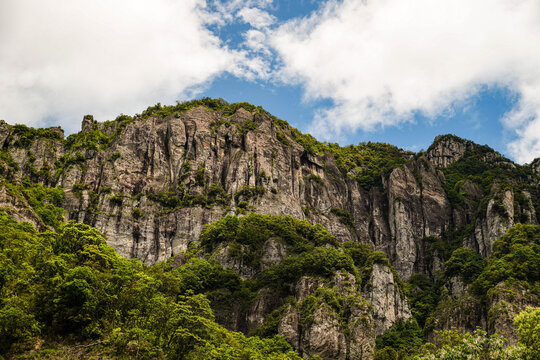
point(151, 183)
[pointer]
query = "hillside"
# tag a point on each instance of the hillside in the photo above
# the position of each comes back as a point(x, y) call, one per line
point(240, 222)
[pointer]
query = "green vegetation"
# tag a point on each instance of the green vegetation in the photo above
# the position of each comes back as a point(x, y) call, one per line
point(404, 341)
point(45, 201)
point(214, 195)
point(315, 179)
point(58, 289)
point(24, 135)
point(401, 341)
point(450, 345)
point(247, 192)
point(219, 105)
point(466, 263)
point(528, 327)
point(423, 294)
point(254, 230)
point(343, 216)
point(365, 162)
point(515, 257)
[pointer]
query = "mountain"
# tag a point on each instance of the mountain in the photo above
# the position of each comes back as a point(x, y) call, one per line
point(331, 247)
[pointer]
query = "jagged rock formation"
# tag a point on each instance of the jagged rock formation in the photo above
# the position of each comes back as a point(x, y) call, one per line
point(151, 183)
point(189, 152)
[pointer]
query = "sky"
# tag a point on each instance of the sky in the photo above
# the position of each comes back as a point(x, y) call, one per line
point(347, 71)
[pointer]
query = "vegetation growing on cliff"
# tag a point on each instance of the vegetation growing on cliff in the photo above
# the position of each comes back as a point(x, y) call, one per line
point(65, 287)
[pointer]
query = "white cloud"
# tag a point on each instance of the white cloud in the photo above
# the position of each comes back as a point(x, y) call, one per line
point(255, 17)
point(222, 12)
point(62, 59)
point(382, 61)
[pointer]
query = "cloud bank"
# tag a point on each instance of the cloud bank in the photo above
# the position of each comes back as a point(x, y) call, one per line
point(62, 59)
point(383, 61)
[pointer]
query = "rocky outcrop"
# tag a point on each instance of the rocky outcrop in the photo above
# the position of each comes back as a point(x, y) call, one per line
point(498, 218)
point(418, 208)
point(150, 184)
point(317, 328)
point(505, 302)
point(386, 298)
point(535, 166)
point(129, 189)
point(447, 149)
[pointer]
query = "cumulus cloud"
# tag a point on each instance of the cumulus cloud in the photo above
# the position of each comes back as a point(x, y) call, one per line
point(224, 12)
point(256, 17)
point(62, 59)
point(383, 61)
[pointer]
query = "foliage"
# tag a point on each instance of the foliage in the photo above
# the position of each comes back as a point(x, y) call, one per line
point(343, 216)
point(247, 192)
point(136, 213)
point(516, 256)
point(24, 135)
point(423, 295)
point(319, 261)
point(465, 263)
point(213, 195)
point(71, 285)
point(364, 257)
point(528, 327)
point(219, 105)
point(450, 345)
point(402, 340)
point(315, 179)
point(254, 230)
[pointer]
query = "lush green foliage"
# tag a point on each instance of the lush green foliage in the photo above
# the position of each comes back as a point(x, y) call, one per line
point(516, 256)
point(71, 284)
point(368, 162)
point(254, 230)
point(319, 261)
point(25, 135)
point(403, 339)
point(528, 327)
point(213, 195)
point(465, 263)
point(451, 345)
point(423, 294)
point(218, 105)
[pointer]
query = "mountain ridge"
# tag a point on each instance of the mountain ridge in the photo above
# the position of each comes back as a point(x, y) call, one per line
point(154, 182)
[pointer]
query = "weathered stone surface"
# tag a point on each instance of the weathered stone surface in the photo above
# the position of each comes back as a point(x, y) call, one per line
point(447, 150)
point(499, 217)
point(324, 337)
point(389, 305)
point(115, 189)
point(506, 301)
point(323, 333)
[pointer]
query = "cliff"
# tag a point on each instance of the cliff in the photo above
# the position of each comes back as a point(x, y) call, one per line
point(151, 182)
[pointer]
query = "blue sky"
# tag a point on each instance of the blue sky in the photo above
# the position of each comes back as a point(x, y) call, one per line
point(478, 121)
point(346, 71)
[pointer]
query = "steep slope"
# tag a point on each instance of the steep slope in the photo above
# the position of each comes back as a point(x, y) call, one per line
point(151, 182)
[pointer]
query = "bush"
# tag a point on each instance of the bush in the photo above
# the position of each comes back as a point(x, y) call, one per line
point(465, 263)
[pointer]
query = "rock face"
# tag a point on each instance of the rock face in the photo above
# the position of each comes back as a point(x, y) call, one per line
point(316, 328)
point(127, 189)
point(447, 149)
point(150, 184)
point(388, 302)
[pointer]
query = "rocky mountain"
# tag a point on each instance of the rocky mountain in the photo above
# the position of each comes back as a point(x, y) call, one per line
point(151, 183)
